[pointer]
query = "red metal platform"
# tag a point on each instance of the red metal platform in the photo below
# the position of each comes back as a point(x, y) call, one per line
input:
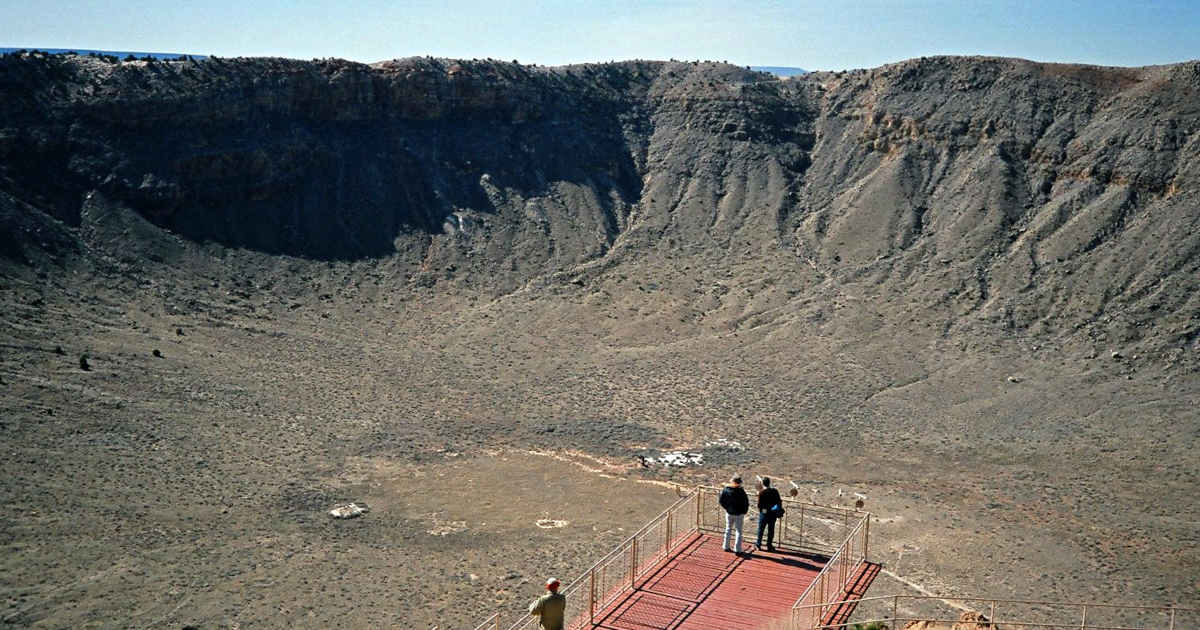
point(701, 586)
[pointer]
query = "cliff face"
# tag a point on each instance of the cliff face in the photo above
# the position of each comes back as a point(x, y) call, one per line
point(1022, 194)
point(324, 160)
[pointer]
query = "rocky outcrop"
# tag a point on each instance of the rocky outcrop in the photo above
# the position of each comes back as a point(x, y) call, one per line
point(1007, 193)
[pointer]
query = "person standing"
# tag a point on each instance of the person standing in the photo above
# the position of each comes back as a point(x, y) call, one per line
point(550, 608)
point(770, 506)
point(735, 503)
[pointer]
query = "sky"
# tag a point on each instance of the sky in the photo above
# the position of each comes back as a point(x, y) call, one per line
point(815, 35)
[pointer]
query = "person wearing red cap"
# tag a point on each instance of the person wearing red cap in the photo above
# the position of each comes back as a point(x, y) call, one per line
point(550, 608)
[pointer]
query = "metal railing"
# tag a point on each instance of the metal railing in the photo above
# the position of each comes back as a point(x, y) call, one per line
point(620, 570)
point(805, 527)
point(842, 535)
point(491, 623)
point(818, 600)
point(896, 610)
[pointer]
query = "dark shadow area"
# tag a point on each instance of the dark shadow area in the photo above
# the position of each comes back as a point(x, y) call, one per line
point(792, 559)
point(247, 155)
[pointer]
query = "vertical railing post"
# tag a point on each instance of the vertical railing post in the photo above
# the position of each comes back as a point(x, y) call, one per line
point(497, 620)
point(592, 599)
point(824, 595)
point(667, 546)
point(633, 563)
point(1171, 623)
point(699, 506)
point(895, 610)
point(992, 613)
point(800, 543)
point(843, 570)
point(1083, 623)
point(866, 537)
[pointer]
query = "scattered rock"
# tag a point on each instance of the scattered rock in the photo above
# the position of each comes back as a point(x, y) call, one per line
point(349, 510)
point(969, 620)
point(83, 363)
point(677, 459)
point(1117, 355)
point(1015, 379)
point(179, 332)
point(725, 443)
point(59, 350)
point(157, 353)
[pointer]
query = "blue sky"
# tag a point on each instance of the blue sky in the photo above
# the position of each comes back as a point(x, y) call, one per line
point(822, 35)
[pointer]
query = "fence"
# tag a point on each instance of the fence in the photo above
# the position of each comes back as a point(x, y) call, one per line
point(804, 527)
point(818, 600)
point(842, 535)
point(605, 581)
point(491, 623)
point(1009, 614)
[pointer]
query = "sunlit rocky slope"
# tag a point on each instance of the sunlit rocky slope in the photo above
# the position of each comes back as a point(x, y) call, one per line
point(1029, 196)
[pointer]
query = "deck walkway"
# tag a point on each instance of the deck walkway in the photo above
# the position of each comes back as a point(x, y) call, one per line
point(700, 586)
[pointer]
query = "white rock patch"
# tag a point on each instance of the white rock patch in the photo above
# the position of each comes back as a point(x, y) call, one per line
point(349, 510)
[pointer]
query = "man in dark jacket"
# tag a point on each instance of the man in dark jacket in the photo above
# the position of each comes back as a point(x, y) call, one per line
point(736, 504)
point(769, 507)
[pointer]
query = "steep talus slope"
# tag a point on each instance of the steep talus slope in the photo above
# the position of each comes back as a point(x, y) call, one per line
point(999, 192)
point(1035, 196)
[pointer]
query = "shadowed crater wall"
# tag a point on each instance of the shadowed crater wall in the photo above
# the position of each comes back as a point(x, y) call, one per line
point(1025, 196)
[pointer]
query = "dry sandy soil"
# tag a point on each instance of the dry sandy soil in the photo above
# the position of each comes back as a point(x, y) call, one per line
point(192, 488)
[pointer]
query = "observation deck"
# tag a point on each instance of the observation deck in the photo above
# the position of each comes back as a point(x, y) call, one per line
point(673, 573)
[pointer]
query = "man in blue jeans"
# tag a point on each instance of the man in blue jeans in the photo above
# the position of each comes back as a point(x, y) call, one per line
point(768, 501)
point(736, 504)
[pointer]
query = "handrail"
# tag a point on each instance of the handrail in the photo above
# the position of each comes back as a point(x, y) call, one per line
point(794, 501)
point(835, 518)
point(838, 562)
point(491, 623)
point(1079, 622)
point(619, 569)
point(1034, 602)
point(639, 532)
point(630, 544)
